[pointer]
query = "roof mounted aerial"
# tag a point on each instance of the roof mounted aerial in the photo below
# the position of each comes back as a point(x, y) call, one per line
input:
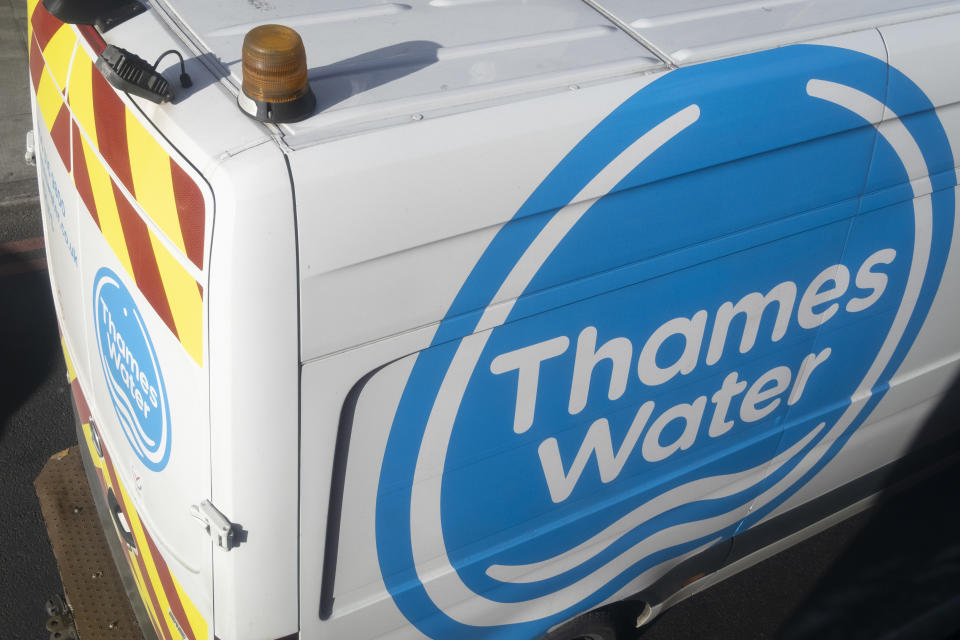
point(103, 14)
point(123, 69)
point(131, 73)
point(275, 83)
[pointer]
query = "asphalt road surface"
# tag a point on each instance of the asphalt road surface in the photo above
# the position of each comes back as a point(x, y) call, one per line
point(35, 418)
point(892, 572)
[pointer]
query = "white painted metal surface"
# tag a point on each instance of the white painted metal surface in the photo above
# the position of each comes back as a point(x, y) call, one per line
point(382, 63)
point(382, 273)
point(387, 61)
point(344, 263)
point(253, 396)
point(697, 30)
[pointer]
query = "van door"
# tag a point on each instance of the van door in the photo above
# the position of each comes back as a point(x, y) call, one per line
point(127, 219)
point(608, 388)
point(900, 350)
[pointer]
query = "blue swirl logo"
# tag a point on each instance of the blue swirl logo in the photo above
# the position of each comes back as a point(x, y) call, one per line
point(131, 370)
point(682, 325)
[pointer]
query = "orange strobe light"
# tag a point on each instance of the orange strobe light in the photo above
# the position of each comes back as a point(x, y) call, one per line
point(275, 86)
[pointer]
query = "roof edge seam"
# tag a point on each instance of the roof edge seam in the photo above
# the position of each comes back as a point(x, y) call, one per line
point(630, 31)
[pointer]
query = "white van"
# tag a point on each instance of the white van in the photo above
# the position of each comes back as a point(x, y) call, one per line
point(484, 314)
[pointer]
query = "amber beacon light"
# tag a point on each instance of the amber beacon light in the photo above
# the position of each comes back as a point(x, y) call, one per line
point(275, 86)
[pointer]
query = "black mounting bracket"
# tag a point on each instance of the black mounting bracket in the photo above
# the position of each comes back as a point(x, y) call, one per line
point(103, 14)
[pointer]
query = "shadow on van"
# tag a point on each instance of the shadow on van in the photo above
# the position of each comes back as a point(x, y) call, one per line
point(332, 83)
point(204, 70)
point(899, 576)
point(28, 328)
point(342, 80)
point(35, 422)
point(890, 572)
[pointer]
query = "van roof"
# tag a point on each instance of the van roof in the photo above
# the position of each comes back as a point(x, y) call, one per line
point(374, 62)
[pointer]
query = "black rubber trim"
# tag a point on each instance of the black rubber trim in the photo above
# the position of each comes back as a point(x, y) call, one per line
point(886, 479)
point(899, 472)
point(292, 636)
point(116, 511)
point(103, 14)
point(335, 508)
point(106, 528)
point(279, 112)
point(704, 563)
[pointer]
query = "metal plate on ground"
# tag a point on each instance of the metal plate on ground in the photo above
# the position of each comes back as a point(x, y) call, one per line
point(91, 581)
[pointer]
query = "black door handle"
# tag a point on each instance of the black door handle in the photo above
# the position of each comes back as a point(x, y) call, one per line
point(120, 521)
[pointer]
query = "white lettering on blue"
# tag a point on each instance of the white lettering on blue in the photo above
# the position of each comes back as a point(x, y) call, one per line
point(819, 302)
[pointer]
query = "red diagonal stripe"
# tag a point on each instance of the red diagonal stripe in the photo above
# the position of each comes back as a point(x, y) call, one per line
point(103, 482)
point(190, 211)
point(144, 263)
point(161, 628)
point(36, 64)
point(22, 246)
point(93, 38)
point(82, 407)
point(44, 25)
point(164, 633)
point(60, 132)
point(166, 581)
point(99, 469)
point(110, 115)
point(81, 178)
point(148, 585)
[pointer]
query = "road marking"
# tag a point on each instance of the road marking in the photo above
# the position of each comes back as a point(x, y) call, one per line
point(12, 269)
point(22, 246)
point(12, 260)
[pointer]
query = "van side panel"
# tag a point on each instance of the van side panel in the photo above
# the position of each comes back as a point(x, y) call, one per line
point(254, 390)
point(127, 218)
point(397, 288)
point(921, 53)
point(682, 323)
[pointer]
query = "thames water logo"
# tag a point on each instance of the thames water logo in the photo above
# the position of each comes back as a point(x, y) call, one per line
point(683, 324)
point(131, 370)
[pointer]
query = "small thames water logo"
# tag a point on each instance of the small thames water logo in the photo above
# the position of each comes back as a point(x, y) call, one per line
point(131, 370)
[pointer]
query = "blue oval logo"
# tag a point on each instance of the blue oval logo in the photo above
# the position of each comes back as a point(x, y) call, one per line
point(683, 324)
point(131, 370)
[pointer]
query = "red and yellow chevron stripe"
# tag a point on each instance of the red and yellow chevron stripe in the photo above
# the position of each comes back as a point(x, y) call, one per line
point(171, 611)
point(141, 197)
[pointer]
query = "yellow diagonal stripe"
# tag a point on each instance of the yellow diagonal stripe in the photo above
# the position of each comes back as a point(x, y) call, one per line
point(48, 98)
point(184, 299)
point(144, 582)
point(197, 623)
point(31, 5)
point(80, 95)
point(142, 588)
point(149, 563)
point(138, 577)
point(106, 204)
point(71, 372)
point(58, 53)
point(152, 182)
